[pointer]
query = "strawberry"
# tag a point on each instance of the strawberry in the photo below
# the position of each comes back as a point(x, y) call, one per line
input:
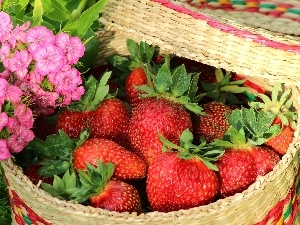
point(72, 122)
point(184, 175)
point(213, 124)
point(134, 67)
point(110, 120)
point(279, 104)
point(105, 115)
point(118, 196)
point(163, 110)
point(137, 77)
point(245, 156)
point(128, 166)
point(97, 188)
point(153, 116)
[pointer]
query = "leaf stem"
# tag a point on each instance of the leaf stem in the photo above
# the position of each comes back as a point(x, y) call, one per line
point(77, 12)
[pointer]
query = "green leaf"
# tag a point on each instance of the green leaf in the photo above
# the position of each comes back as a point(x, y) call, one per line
point(91, 44)
point(53, 167)
point(193, 89)
point(146, 52)
point(80, 26)
point(180, 81)
point(37, 13)
point(54, 10)
point(163, 79)
point(134, 51)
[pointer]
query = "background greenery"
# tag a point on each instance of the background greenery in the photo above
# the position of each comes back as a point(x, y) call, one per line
point(5, 213)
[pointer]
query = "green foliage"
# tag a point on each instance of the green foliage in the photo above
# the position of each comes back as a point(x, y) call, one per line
point(187, 149)
point(279, 104)
point(224, 90)
point(55, 154)
point(95, 92)
point(248, 127)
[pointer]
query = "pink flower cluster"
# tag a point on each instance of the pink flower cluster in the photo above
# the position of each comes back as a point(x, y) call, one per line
point(37, 75)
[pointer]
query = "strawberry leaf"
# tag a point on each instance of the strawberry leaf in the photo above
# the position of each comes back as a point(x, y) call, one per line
point(62, 188)
point(180, 81)
point(146, 52)
point(93, 181)
point(163, 79)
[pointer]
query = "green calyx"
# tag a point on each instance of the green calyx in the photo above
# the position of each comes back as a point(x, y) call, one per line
point(187, 150)
point(248, 127)
point(176, 85)
point(279, 104)
point(92, 182)
point(95, 92)
point(140, 55)
point(55, 154)
point(224, 90)
point(79, 187)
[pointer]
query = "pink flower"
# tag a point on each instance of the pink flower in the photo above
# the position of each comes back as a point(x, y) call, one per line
point(4, 151)
point(37, 36)
point(19, 63)
point(5, 74)
point(72, 47)
point(49, 58)
point(6, 26)
point(3, 86)
point(76, 95)
point(4, 53)
point(13, 124)
point(65, 82)
point(46, 99)
point(18, 140)
point(3, 120)
point(13, 94)
point(24, 116)
point(18, 34)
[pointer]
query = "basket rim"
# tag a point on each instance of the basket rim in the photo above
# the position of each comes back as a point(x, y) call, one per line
point(258, 35)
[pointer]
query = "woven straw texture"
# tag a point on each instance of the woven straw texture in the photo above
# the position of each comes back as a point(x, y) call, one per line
point(188, 31)
point(272, 199)
point(275, 15)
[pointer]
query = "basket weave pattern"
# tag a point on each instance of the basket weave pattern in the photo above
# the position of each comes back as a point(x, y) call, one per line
point(207, 37)
point(273, 199)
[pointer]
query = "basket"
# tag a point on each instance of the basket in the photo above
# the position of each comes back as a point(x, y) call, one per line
point(185, 30)
point(272, 199)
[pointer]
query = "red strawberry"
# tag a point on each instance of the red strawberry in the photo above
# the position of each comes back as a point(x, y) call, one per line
point(128, 166)
point(72, 122)
point(32, 172)
point(154, 116)
point(118, 196)
point(181, 180)
point(106, 115)
point(279, 104)
point(245, 156)
point(212, 125)
point(97, 185)
point(282, 141)
point(110, 120)
point(239, 168)
point(137, 77)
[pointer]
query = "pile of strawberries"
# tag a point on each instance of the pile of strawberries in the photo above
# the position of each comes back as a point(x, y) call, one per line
point(159, 133)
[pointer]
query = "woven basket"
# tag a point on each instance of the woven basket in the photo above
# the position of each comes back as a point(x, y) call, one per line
point(191, 32)
point(272, 199)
